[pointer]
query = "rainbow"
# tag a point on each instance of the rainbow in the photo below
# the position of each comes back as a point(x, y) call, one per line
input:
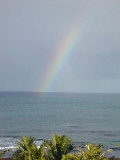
point(62, 53)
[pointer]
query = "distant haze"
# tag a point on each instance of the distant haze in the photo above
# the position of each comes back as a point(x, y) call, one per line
point(31, 30)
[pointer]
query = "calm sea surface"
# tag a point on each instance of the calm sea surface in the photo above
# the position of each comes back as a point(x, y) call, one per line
point(83, 117)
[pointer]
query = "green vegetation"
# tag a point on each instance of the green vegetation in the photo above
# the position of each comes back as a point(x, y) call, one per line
point(27, 149)
point(91, 152)
point(57, 148)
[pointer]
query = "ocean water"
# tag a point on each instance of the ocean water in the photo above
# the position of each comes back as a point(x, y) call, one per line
point(85, 118)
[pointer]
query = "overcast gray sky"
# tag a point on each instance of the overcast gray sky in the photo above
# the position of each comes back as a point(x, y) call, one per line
point(30, 31)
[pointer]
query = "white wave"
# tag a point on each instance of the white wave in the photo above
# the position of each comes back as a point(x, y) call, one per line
point(8, 148)
point(9, 143)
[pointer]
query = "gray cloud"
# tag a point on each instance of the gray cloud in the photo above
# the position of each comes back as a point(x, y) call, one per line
point(30, 32)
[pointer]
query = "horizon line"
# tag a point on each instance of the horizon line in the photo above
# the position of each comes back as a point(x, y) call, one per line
point(90, 92)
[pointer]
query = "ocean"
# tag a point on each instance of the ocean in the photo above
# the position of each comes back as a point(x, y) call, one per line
point(87, 117)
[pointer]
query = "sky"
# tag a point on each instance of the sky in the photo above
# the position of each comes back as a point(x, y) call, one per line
point(31, 31)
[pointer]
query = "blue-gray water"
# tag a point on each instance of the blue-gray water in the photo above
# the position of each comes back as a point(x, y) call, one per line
point(83, 117)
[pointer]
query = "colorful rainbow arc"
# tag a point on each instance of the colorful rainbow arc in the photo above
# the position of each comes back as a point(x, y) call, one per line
point(63, 52)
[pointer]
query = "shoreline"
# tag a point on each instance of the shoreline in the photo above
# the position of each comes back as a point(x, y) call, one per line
point(113, 155)
point(11, 149)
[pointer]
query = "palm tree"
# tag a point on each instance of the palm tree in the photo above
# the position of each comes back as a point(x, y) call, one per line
point(91, 152)
point(55, 148)
point(27, 149)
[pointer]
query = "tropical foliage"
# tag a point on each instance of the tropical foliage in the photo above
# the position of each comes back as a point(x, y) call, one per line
point(57, 148)
point(91, 152)
point(27, 149)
